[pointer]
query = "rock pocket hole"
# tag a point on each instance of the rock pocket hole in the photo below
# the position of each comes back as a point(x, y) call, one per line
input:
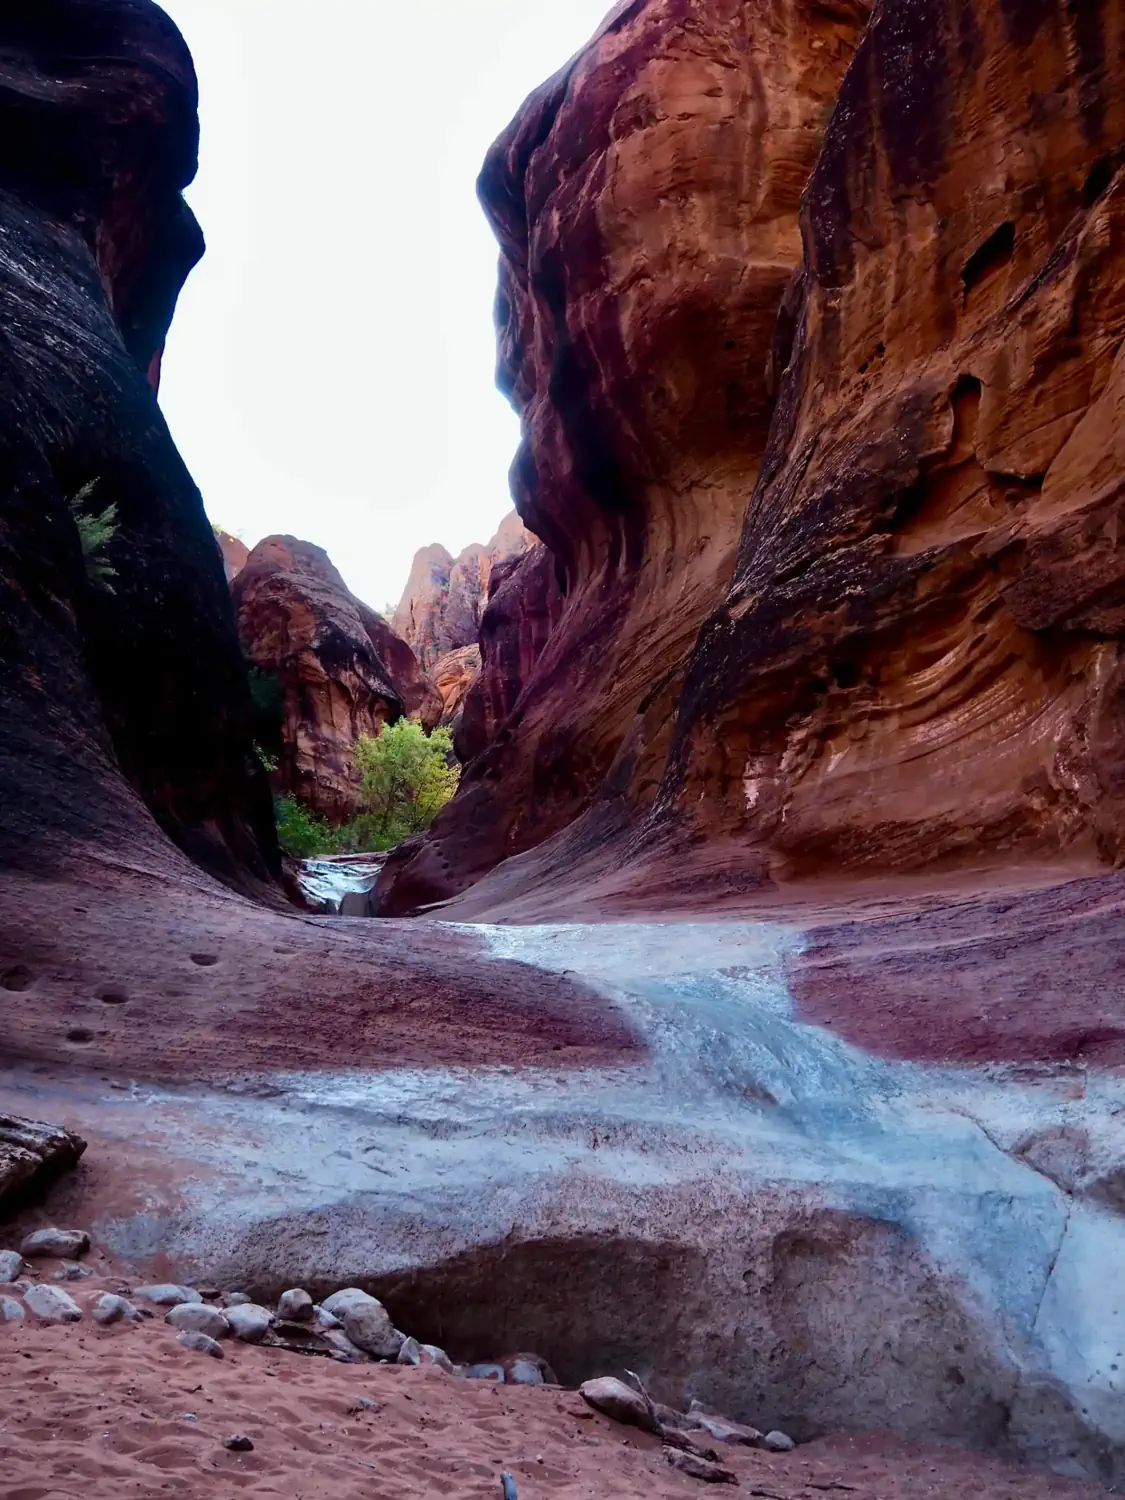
point(80, 1034)
point(205, 960)
point(17, 978)
point(990, 258)
point(114, 997)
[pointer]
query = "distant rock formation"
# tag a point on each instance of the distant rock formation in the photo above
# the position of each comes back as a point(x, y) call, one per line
point(444, 599)
point(235, 553)
point(340, 669)
point(454, 675)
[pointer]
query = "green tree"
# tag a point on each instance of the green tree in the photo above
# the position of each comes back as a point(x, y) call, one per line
point(301, 833)
point(408, 777)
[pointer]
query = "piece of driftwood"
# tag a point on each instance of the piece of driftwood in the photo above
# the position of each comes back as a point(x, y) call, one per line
point(671, 1437)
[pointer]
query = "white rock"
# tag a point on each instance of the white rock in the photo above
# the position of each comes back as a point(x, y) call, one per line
point(778, 1442)
point(237, 1299)
point(410, 1353)
point(52, 1304)
point(343, 1348)
point(351, 1296)
point(368, 1325)
point(167, 1294)
point(249, 1322)
point(109, 1308)
point(439, 1357)
point(201, 1344)
point(11, 1311)
point(199, 1317)
point(296, 1306)
point(64, 1243)
point(11, 1266)
point(484, 1372)
point(326, 1319)
point(615, 1399)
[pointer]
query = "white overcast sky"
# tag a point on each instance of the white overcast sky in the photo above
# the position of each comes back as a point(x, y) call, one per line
point(330, 370)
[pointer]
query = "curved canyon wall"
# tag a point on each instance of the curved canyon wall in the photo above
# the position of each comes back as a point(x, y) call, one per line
point(917, 660)
point(122, 692)
point(337, 668)
point(645, 200)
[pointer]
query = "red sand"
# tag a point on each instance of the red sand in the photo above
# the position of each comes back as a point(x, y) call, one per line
point(102, 1414)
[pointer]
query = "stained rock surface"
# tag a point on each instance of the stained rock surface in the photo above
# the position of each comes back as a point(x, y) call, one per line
point(340, 671)
point(444, 598)
point(454, 675)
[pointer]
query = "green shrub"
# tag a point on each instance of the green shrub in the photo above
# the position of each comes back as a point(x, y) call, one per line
point(408, 777)
point(95, 531)
point(301, 833)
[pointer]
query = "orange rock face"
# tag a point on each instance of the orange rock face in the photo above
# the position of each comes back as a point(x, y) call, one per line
point(235, 552)
point(454, 675)
point(441, 607)
point(919, 659)
point(340, 670)
point(646, 201)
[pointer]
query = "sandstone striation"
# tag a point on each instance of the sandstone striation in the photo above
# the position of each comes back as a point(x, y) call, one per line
point(441, 607)
point(338, 668)
point(919, 661)
point(645, 201)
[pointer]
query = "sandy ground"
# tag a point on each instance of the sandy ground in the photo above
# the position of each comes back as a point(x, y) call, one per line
point(89, 1414)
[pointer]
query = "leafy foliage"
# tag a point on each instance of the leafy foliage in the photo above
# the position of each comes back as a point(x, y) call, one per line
point(95, 531)
point(301, 833)
point(408, 777)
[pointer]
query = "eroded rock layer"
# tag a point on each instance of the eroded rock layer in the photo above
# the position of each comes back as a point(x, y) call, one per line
point(645, 201)
point(338, 668)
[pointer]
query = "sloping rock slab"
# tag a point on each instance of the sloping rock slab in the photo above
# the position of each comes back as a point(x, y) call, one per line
point(32, 1152)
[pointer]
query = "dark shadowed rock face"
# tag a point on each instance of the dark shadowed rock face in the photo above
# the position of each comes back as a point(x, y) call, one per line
point(441, 607)
point(115, 707)
point(339, 669)
point(645, 200)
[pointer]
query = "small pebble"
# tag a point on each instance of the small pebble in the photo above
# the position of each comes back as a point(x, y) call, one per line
point(778, 1442)
point(199, 1343)
point(11, 1311)
point(364, 1404)
point(296, 1306)
point(238, 1444)
point(72, 1272)
point(109, 1308)
point(52, 1304)
point(167, 1294)
point(249, 1322)
point(197, 1317)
